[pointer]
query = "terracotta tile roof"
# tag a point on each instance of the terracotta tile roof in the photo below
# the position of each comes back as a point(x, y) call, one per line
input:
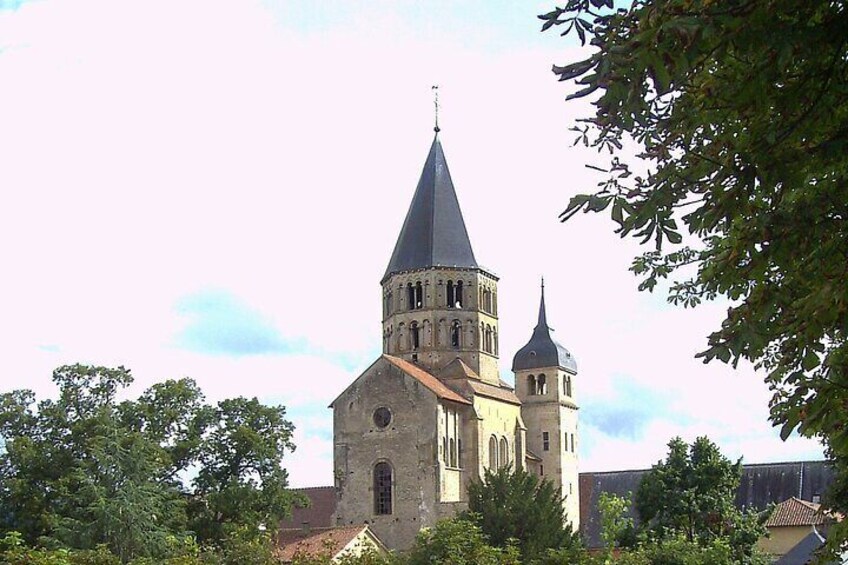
point(492, 391)
point(796, 512)
point(425, 378)
point(315, 542)
point(319, 513)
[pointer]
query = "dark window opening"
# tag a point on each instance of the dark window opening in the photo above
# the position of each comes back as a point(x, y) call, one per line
point(457, 294)
point(546, 441)
point(449, 295)
point(572, 443)
point(531, 385)
point(410, 297)
point(452, 444)
point(456, 330)
point(541, 385)
point(459, 452)
point(419, 296)
point(504, 452)
point(567, 385)
point(493, 452)
point(382, 488)
point(414, 335)
point(382, 417)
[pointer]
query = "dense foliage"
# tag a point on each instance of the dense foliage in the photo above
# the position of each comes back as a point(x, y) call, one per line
point(739, 111)
point(690, 496)
point(517, 505)
point(87, 471)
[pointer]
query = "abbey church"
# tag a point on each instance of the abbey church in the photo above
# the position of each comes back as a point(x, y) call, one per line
point(431, 413)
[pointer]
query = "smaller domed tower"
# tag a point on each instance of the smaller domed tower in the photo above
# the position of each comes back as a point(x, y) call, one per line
point(544, 381)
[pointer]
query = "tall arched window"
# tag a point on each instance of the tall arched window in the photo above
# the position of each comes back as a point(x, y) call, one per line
point(566, 385)
point(531, 385)
point(541, 385)
point(487, 339)
point(449, 295)
point(414, 336)
point(504, 452)
point(382, 488)
point(457, 295)
point(387, 306)
point(419, 296)
point(493, 453)
point(456, 331)
point(495, 341)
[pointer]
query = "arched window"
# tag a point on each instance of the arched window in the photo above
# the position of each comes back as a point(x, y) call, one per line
point(449, 295)
point(531, 385)
point(495, 338)
point(387, 306)
point(487, 339)
point(452, 444)
point(487, 300)
point(566, 385)
point(457, 295)
point(541, 385)
point(493, 453)
point(494, 303)
point(504, 452)
point(456, 331)
point(419, 295)
point(410, 297)
point(382, 488)
point(414, 336)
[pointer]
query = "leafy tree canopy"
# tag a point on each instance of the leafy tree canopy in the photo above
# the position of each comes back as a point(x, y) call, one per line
point(86, 470)
point(739, 110)
point(516, 505)
point(691, 495)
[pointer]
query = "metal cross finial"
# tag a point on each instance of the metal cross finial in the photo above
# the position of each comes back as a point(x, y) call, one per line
point(435, 89)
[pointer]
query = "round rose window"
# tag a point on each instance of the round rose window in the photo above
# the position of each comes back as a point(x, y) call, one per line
point(382, 417)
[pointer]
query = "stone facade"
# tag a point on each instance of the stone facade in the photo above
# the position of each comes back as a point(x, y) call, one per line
point(432, 414)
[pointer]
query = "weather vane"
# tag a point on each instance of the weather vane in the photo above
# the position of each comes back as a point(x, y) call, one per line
point(435, 89)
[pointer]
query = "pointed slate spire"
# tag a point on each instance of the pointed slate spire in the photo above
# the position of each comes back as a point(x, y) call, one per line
point(542, 350)
point(543, 317)
point(433, 234)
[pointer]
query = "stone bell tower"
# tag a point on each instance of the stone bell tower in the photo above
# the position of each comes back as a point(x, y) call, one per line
point(438, 304)
point(545, 374)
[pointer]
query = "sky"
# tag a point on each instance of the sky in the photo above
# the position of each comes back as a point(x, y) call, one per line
point(212, 189)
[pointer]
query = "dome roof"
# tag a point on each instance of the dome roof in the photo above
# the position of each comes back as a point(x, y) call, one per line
point(542, 351)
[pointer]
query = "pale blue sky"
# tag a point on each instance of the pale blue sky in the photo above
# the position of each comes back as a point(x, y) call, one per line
point(213, 189)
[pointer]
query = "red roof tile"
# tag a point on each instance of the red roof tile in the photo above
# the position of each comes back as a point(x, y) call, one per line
point(315, 542)
point(425, 378)
point(796, 512)
point(491, 391)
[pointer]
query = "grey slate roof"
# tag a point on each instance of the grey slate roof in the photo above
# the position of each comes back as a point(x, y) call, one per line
point(542, 351)
point(761, 485)
point(804, 552)
point(433, 233)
